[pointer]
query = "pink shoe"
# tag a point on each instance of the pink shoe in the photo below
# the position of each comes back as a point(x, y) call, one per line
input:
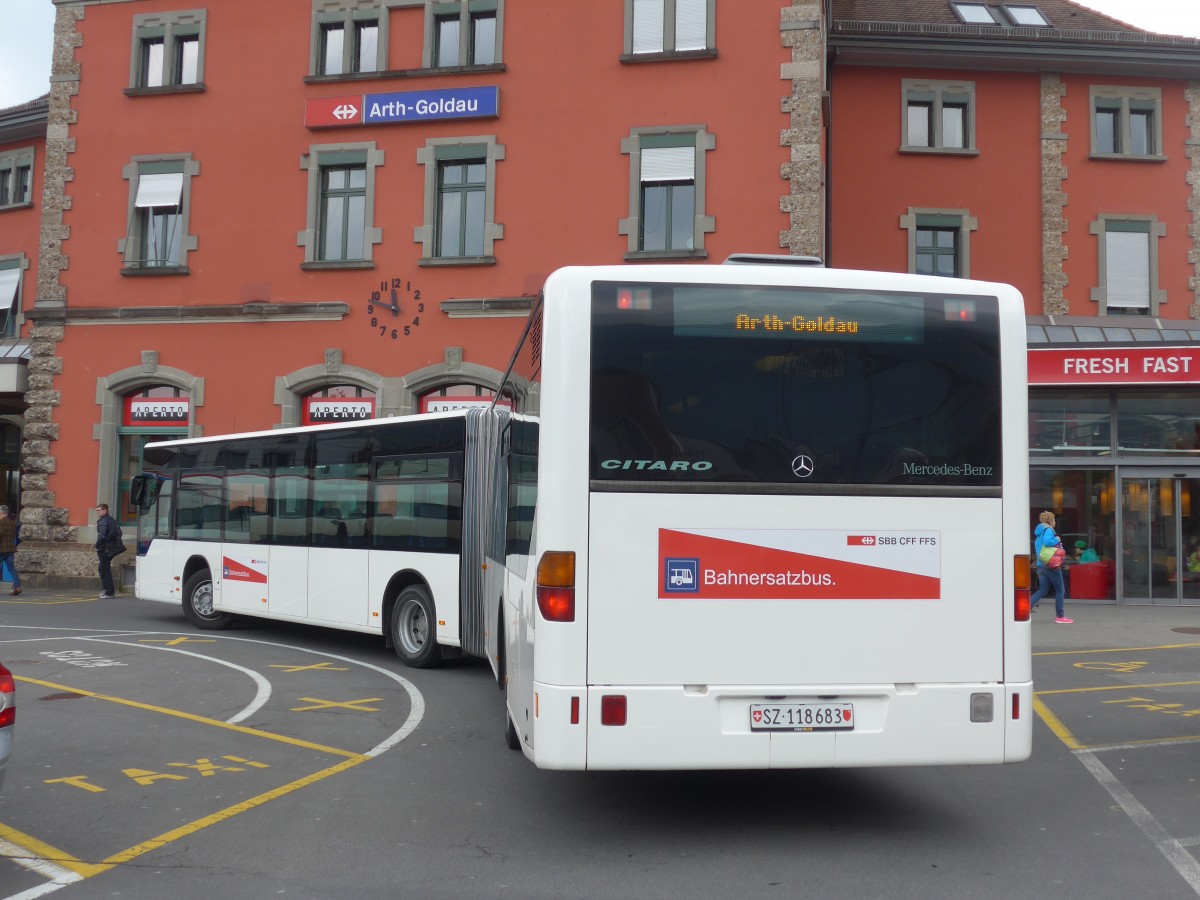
point(1063, 620)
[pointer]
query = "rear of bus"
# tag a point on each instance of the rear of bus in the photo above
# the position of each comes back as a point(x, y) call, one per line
point(797, 501)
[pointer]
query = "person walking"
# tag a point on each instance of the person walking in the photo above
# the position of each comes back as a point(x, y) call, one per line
point(108, 533)
point(1045, 536)
point(8, 547)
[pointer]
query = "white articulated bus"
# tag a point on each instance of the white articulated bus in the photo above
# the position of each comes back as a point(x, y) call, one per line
point(358, 527)
point(763, 516)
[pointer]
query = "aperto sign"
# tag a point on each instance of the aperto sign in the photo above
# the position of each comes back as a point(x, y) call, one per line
point(402, 106)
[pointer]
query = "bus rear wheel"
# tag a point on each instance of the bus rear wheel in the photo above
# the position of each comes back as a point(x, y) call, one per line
point(198, 603)
point(414, 629)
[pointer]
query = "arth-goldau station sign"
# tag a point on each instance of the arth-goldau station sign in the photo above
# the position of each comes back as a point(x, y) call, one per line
point(402, 106)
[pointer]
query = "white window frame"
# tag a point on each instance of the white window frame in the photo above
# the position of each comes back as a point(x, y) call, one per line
point(10, 162)
point(172, 28)
point(1106, 224)
point(702, 223)
point(130, 246)
point(938, 94)
point(318, 158)
point(466, 10)
point(437, 151)
point(350, 14)
point(1123, 100)
point(14, 311)
point(918, 218)
point(658, 28)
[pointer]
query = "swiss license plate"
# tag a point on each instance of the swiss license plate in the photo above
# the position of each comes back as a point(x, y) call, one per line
point(801, 716)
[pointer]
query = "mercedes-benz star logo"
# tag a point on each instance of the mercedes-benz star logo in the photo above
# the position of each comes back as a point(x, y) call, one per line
point(802, 466)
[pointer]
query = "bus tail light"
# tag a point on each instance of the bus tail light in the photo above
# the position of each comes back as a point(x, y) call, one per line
point(613, 709)
point(1021, 579)
point(556, 585)
point(1016, 709)
point(8, 697)
point(574, 710)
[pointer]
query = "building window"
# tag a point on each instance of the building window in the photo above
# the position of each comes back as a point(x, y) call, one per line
point(1128, 265)
point(464, 33)
point(16, 177)
point(343, 211)
point(938, 116)
point(974, 14)
point(159, 203)
point(348, 37)
point(1025, 16)
point(168, 50)
point(939, 241)
point(667, 192)
point(668, 26)
point(135, 432)
point(11, 270)
point(340, 227)
point(1126, 123)
point(460, 200)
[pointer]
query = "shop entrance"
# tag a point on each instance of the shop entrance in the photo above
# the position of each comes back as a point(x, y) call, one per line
point(1160, 537)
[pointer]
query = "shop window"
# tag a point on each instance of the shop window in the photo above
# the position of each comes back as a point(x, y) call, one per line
point(460, 201)
point(938, 116)
point(167, 51)
point(1128, 265)
point(1069, 424)
point(464, 33)
point(157, 241)
point(667, 193)
point(668, 27)
point(939, 241)
point(16, 178)
point(1160, 424)
point(340, 229)
point(1126, 123)
point(348, 38)
point(11, 270)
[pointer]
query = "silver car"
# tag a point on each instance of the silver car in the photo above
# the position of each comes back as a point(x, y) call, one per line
point(8, 709)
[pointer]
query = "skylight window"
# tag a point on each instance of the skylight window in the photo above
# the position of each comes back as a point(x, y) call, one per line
point(1026, 15)
point(974, 13)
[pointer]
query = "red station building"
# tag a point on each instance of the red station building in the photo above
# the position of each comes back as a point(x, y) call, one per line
point(226, 232)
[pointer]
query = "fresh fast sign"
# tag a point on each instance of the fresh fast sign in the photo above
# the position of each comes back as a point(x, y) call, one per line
point(1115, 365)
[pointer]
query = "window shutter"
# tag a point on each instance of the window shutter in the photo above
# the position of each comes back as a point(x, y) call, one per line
point(1127, 269)
point(163, 189)
point(647, 26)
point(668, 164)
point(691, 24)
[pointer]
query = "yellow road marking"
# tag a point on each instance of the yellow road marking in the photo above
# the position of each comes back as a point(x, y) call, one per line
point(192, 827)
point(1115, 650)
point(42, 850)
point(322, 667)
point(202, 720)
point(334, 704)
point(32, 601)
point(175, 642)
point(1055, 724)
point(1118, 687)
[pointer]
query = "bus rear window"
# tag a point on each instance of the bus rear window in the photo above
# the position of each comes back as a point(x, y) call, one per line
point(793, 386)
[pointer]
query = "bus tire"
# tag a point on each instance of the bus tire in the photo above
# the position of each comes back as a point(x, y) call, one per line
point(198, 603)
point(414, 628)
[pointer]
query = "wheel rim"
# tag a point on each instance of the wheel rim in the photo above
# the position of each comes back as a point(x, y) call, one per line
point(414, 627)
point(202, 600)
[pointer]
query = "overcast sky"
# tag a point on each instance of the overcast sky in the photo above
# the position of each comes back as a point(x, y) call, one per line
point(26, 27)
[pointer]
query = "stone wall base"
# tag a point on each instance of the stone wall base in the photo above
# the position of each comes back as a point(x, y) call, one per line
point(63, 566)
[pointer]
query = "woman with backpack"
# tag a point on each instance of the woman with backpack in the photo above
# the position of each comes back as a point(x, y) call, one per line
point(1046, 546)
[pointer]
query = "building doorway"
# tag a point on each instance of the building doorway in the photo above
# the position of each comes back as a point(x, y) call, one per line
point(1160, 537)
